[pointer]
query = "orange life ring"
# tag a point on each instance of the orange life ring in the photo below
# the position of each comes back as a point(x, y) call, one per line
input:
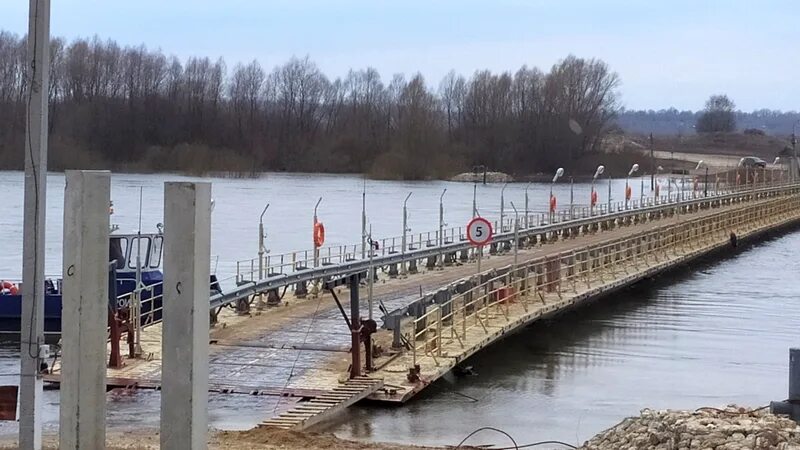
point(319, 234)
point(7, 287)
point(628, 192)
point(594, 198)
point(738, 178)
point(552, 203)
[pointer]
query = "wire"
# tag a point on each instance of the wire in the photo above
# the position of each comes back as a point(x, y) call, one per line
point(535, 444)
point(516, 446)
point(35, 280)
point(294, 364)
point(488, 428)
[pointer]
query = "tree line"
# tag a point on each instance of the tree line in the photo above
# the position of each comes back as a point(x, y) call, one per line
point(134, 108)
point(676, 122)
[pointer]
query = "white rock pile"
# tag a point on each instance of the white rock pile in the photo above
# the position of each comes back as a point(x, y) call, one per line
point(731, 428)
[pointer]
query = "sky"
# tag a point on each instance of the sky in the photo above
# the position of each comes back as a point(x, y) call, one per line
point(668, 53)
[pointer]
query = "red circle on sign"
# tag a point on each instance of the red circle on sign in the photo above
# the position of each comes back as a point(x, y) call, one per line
point(479, 231)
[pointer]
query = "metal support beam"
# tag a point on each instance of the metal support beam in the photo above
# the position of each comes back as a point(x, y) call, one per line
point(32, 326)
point(355, 323)
point(187, 255)
point(84, 310)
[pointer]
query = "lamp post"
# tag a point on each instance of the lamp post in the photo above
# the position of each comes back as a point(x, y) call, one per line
point(660, 169)
point(516, 233)
point(405, 231)
point(441, 229)
point(792, 166)
point(364, 219)
point(261, 248)
point(316, 249)
point(502, 205)
point(772, 170)
point(527, 215)
point(702, 163)
point(571, 197)
point(641, 192)
point(559, 174)
point(593, 197)
point(634, 169)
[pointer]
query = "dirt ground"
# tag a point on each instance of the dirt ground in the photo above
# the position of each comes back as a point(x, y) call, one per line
point(255, 439)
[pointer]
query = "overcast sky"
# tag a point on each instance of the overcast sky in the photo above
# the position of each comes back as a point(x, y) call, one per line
point(667, 52)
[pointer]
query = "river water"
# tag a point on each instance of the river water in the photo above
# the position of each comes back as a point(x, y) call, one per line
point(714, 333)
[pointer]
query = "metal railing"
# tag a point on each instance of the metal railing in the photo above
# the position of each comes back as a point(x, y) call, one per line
point(564, 220)
point(514, 293)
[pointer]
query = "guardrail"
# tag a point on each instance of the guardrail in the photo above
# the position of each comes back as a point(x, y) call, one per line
point(253, 269)
point(511, 293)
point(563, 220)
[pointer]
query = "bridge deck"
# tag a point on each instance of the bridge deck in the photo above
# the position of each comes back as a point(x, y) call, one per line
point(301, 349)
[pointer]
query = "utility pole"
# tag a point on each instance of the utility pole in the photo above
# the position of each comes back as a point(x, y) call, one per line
point(32, 349)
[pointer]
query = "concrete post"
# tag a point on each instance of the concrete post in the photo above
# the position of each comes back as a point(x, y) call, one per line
point(184, 377)
point(84, 310)
point(37, 66)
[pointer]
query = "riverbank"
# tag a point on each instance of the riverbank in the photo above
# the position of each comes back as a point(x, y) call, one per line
point(255, 439)
point(730, 428)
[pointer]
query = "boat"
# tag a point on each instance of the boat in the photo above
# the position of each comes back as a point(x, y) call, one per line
point(135, 282)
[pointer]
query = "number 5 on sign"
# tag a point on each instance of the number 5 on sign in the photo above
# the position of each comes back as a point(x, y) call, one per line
point(479, 231)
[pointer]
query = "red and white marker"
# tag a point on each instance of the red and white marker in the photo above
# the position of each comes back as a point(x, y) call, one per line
point(479, 231)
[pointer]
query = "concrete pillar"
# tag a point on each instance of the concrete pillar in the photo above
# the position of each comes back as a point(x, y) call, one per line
point(37, 72)
point(84, 310)
point(184, 376)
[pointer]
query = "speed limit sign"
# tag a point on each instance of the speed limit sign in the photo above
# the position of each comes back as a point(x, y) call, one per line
point(479, 231)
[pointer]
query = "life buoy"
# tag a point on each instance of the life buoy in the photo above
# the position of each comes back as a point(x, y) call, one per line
point(594, 198)
point(8, 288)
point(319, 234)
point(552, 203)
point(658, 190)
point(628, 192)
point(695, 183)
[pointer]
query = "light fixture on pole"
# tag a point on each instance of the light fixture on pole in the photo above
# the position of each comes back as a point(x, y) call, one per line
point(441, 228)
point(634, 169)
point(593, 195)
point(502, 206)
point(405, 232)
point(559, 174)
point(261, 248)
point(516, 233)
point(526, 205)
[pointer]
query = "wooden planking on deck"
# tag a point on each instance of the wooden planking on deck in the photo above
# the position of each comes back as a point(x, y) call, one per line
point(307, 414)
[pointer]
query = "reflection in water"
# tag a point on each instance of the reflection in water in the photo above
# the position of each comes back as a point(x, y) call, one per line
point(706, 335)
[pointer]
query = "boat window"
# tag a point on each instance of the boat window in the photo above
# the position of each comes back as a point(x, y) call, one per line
point(134, 250)
point(116, 251)
point(155, 252)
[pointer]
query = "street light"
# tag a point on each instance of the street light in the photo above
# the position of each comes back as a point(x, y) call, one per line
point(441, 228)
point(705, 183)
point(593, 196)
point(634, 169)
point(261, 248)
point(502, 205)
point(527, 225)
point(405, 231)
point(772, 170)
point(559, 174)
point(516, 233)
point(792, 166)
point(316, 248)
